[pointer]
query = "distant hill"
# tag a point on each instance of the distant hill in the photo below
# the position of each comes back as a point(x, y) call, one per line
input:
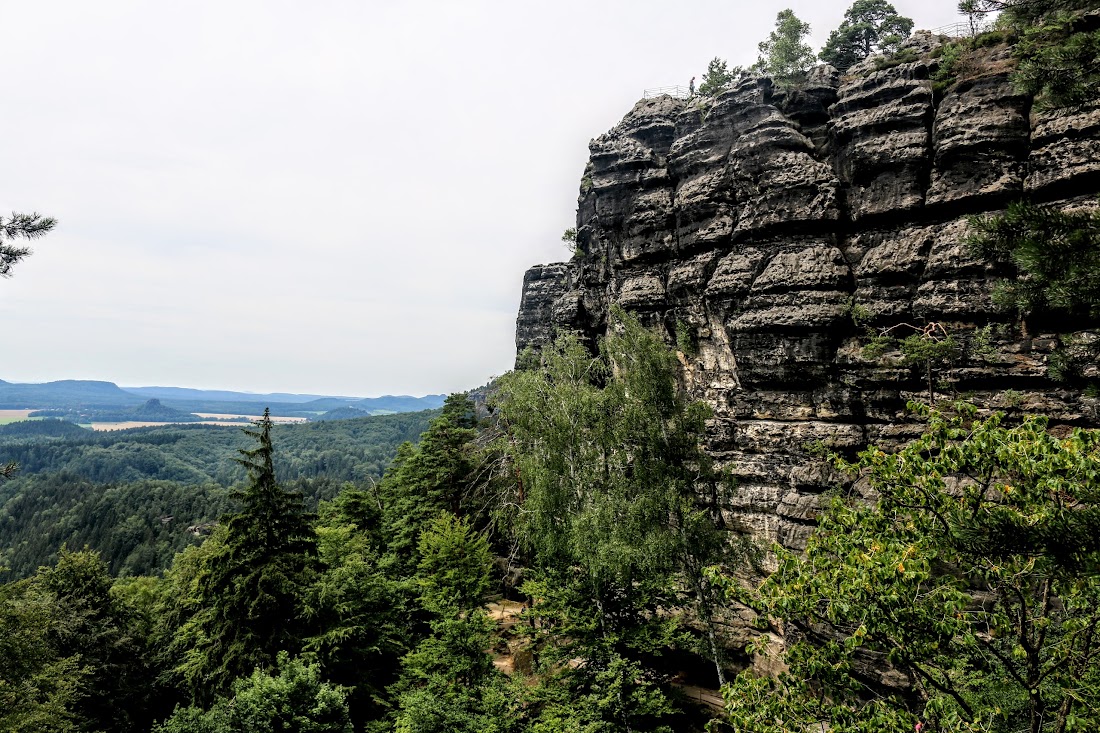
point(87, 396)
point(284, 404)
point(47, 428)
point(151, 411)
point(154, 411)
point(221, 395)
point(67, 393)
point(342, 413)
point(401, 403)
point(371, 405)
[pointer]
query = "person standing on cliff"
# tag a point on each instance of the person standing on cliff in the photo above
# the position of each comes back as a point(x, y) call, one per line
point(691, 87)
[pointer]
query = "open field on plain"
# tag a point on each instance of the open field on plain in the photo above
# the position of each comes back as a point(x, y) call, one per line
point(16, 414)
point(106, 426)
point(10, 416)
point(250, 418)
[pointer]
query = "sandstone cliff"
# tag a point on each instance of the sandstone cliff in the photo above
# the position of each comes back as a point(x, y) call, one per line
point(750, 227)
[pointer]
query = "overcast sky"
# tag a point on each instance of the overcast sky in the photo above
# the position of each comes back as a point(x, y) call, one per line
point(336, 196)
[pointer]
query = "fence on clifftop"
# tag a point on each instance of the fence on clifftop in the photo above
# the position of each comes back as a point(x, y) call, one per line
point(674, 91)
point(964, 29)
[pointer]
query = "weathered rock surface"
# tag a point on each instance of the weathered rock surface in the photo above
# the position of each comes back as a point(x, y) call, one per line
point(763, 220)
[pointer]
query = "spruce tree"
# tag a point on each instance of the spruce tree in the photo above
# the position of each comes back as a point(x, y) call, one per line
point(252, 589)
point(427, 479)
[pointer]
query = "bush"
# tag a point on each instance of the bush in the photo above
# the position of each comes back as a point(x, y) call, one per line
point(293, 699)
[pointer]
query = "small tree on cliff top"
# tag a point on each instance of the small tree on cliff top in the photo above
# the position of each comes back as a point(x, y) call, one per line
point(719, 77)
point(870, 26)
point(784, 56)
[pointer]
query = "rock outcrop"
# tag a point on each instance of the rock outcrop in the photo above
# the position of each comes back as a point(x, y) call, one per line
point(760, 222)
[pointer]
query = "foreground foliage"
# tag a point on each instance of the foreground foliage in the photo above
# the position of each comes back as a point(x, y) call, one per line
point(969, 569)
point(1057, 47)
point(609, 461)
point(1053, 257)
point(293, 700)
point(958, 587)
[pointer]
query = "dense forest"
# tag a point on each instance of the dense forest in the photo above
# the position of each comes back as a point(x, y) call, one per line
point(133, 494)
point(559, 561)
point(587, 495)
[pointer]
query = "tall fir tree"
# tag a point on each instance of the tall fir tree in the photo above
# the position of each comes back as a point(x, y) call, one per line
point(251, 590)
point(427, 479)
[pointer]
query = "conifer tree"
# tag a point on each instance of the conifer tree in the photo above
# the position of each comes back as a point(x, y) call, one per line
point(364, 621)
point(449, 681)
point(427, 479)
point(290, 697)
point(251, 590)
point(1058, 49)
point(870, 26)
point(97, 628)
point(16, 227)
point(719, 77)
point(1052, 255)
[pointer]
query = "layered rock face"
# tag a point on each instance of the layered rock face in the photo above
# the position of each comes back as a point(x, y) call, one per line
point(774, 228)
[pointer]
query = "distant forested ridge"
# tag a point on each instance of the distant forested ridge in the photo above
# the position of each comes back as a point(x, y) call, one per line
point(99, 400)
point(136, 526)
point(132, 494)
point(352, 450)
point(342, 413)
point(65, 393)
point(151, 411)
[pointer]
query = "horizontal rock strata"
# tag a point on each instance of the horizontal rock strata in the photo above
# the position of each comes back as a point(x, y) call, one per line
point(767, 223)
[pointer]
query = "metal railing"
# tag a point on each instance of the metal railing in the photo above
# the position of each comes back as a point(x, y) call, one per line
point(964, 29)
point(674, 91)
